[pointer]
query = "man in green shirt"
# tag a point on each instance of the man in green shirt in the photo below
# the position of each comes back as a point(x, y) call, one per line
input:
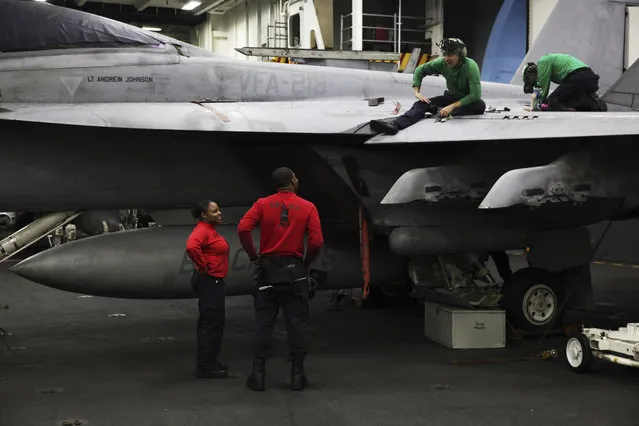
point(463, 96)
point(578, 84)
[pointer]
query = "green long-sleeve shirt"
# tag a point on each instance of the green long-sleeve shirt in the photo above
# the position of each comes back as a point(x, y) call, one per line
point(462, 81)
point(554, 67)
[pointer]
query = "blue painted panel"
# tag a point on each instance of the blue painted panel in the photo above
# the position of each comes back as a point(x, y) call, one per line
point(507, 43)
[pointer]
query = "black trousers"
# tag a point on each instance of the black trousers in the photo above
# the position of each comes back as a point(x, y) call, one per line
point(419, 109)
point(292, 297)
point(210, 324)
point(575, 91)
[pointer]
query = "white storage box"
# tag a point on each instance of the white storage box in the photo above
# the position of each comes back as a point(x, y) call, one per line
point(460, 328)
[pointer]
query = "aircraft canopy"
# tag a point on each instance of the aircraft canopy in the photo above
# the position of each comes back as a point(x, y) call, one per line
point(30, 25)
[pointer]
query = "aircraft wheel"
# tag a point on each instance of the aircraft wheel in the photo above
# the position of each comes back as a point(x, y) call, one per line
point(532, 299)
point(578, 354)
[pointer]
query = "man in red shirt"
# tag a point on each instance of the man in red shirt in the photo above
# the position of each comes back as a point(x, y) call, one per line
point(281, 271)
point(209, 252)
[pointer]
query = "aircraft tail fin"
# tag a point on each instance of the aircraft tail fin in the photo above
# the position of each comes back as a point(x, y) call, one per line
point(624, 93)
point(592, 30)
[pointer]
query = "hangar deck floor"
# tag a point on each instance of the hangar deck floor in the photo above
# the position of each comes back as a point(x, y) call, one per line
point(77, 361)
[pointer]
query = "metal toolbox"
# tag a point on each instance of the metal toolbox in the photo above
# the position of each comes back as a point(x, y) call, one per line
point(460, 328)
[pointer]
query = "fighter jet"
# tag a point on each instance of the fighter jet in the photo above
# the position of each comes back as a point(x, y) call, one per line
point(102, 116)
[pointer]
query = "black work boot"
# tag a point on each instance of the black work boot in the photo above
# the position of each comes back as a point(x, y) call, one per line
point(218, 371)
point(386, 127)
point(257, 377)
point(298, 378)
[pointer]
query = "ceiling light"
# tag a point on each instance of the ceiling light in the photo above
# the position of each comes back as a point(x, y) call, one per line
point(152, 28)
point(41, 0)
point(191, 5)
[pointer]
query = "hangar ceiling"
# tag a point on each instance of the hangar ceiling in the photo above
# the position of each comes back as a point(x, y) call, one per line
point(168, 15)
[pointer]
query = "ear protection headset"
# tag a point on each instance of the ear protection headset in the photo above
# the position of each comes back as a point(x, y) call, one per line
point(529, 75)
point(453, 45)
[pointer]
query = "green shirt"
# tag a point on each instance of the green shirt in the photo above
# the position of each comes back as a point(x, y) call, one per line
point(555, 67)
point(462, 81)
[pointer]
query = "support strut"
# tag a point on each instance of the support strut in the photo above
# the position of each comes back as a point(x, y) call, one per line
point(365, 254)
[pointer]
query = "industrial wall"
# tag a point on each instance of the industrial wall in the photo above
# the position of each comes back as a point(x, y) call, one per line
point(494, 32)
point(539, 11)
point(380, 7)
point(498, 32)
point(507, 43)
point(595, 31)
point(247, 24)
point(632, 36)
point(223, 33)
point(244, 25)
point(473, 25)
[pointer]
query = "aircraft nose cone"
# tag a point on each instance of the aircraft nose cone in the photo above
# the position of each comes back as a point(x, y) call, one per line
point(59, 267)
point(140, 264)
point(23, 269)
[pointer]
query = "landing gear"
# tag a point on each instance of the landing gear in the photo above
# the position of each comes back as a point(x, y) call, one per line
point(531, 298)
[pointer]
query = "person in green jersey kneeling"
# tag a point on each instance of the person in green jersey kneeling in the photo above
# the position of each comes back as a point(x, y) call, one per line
point(463, 96)
point(578, 84)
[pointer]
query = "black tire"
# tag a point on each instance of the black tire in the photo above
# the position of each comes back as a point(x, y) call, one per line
point(577, 354)
point(541, 293)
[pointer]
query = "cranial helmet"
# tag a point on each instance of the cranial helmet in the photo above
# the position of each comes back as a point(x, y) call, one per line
point(453, 46)
point(529, 75)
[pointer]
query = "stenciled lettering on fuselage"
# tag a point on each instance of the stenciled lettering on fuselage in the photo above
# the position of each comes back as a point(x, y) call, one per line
point(119, 79)
point(239, 262)
point(297, 84)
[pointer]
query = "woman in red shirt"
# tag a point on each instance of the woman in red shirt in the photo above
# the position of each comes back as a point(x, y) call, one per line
point(209, 252)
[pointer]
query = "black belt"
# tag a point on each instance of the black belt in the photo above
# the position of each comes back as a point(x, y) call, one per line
point(205, 275)
point(281, 257)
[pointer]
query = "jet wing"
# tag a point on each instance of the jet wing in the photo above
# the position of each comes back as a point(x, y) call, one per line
point(517, 125)
point(330, 117)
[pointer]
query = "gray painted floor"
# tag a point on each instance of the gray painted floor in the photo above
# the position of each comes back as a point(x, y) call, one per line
point(366, 367)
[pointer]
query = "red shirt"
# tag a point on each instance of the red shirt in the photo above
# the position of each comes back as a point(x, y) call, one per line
point(278, 237)
point(208, 250)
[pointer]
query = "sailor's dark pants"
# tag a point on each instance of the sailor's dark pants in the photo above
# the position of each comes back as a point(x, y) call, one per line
point(293, 298)
point(574, 92)
point(210, 324)
point(419, 109)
